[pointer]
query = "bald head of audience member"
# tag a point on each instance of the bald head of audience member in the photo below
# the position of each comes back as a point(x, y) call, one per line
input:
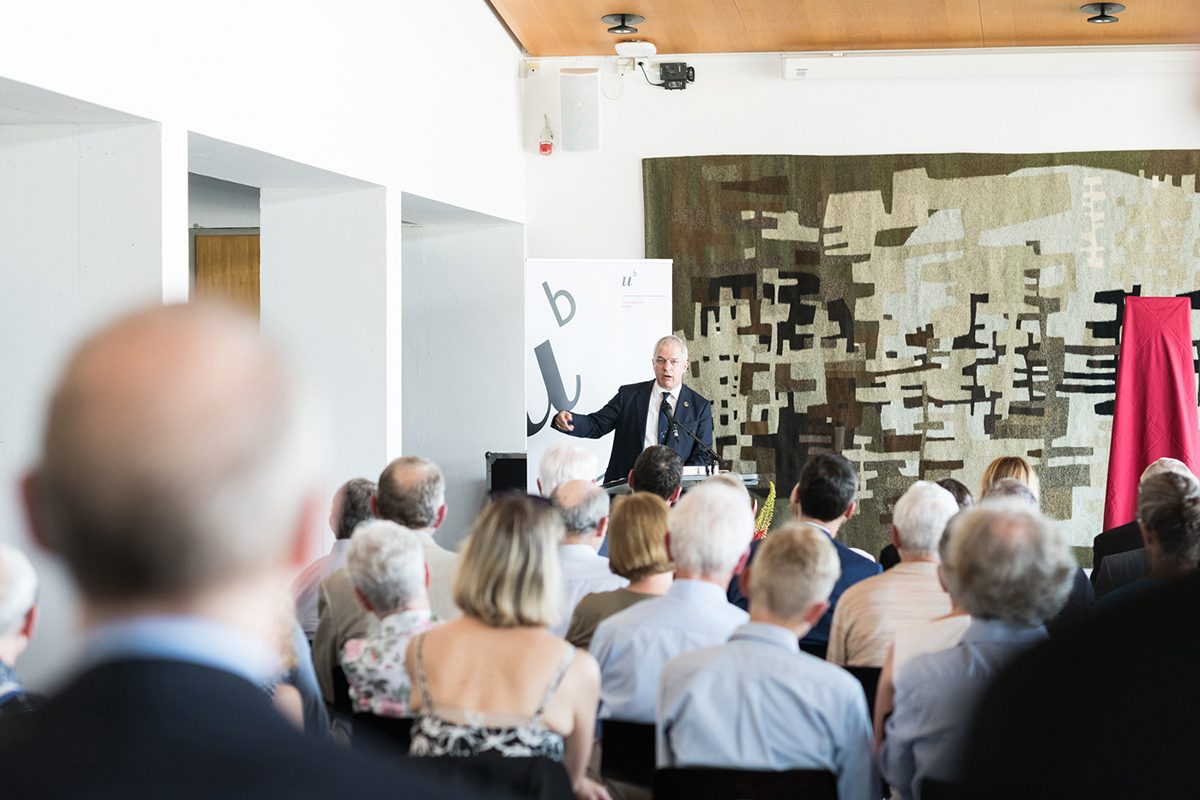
point(178, 469)
point(709, 532)
point(583, 507)
point(412, 494)
point(792, 577)
point(1003, 560)
point(658, 470)
point(18, 603)
point(919, 520)
point(565, 461)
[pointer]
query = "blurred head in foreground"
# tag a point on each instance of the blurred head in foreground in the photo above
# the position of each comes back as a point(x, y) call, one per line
point(178, 468)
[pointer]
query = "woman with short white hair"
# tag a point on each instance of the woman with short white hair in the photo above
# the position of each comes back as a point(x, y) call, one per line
point(386, 564)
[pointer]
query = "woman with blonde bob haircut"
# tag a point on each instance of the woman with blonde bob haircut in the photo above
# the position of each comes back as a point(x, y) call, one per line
point(1009, 467)
point(637, 551)
point(495, 681)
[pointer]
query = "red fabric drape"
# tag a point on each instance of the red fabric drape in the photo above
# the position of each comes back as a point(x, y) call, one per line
point(1155, 415)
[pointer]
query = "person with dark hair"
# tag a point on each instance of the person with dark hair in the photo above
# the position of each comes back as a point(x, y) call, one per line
point(1169, 517)
point(889, 556)
point(658, 470)
point(823, 496)
point(351, 506)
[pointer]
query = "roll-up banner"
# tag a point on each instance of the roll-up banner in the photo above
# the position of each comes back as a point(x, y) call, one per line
point(590, 327)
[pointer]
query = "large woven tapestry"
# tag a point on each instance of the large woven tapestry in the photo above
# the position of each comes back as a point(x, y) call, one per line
point(921, 314)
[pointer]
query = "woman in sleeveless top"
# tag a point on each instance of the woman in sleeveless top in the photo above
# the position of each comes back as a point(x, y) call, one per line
point(495, 681)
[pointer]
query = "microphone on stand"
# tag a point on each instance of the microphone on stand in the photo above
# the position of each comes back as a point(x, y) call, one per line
point(666, 409)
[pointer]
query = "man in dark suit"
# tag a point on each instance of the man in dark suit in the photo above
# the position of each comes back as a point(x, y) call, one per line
point(1107, 710)
point(823, 497)
point(638, 414)
point(1124, 538)
point(178, 481)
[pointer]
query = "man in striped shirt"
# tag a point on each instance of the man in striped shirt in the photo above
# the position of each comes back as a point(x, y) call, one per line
point(871, 610)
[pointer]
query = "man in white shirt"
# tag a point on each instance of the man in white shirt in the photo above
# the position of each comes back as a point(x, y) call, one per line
point(870, 611)
point(709, 533)
point(758, 702)
point(584, 509)
point(351, 506)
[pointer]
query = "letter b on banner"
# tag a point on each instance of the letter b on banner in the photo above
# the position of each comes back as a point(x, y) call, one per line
point(553, 298)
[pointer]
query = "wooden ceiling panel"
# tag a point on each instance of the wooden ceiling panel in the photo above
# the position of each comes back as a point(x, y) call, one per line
point(573, 27)
point(1036, 23)
point(861, 24)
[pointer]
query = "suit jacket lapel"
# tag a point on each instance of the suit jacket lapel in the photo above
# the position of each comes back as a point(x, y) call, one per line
point(685, 413)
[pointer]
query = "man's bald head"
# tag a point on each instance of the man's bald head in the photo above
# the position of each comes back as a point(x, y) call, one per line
point(176, 456)
point(412, 493)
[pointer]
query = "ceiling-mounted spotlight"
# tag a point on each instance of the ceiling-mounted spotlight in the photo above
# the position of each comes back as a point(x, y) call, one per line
point(622, 23)
point(1101, 10)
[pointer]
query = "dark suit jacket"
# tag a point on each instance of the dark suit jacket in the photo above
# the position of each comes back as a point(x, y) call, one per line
point(1120, 570)
point(157, 729)
point(626, 414)
point(1120, 539)
point(854, 569)
point(1041, 732)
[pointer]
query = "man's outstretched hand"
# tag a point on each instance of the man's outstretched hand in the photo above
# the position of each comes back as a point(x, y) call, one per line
point(562, 421)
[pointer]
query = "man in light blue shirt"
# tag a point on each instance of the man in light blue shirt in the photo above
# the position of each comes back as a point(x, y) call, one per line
point(758, 702)
point(710, 531)
point(1011, 569)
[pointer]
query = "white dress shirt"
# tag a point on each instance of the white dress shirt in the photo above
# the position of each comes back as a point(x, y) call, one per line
point(632, 645)
point(584, 572)
point(304, 588)
point(759, 703)
point(656, 396)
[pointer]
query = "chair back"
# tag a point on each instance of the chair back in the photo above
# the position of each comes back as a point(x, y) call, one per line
point(341, 692)
point(869, 678)
point(627, 752)
point(933, 789)
point(391, 735)
point(537, 778)
point(711, 783)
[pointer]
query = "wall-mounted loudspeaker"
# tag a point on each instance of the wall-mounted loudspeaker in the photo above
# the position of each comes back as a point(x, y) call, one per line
point(579, 96)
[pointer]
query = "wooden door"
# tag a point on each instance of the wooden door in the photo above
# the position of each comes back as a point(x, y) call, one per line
point(227, 269)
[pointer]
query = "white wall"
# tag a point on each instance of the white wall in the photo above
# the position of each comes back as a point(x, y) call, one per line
point(79, 242)
point(464, 368)
point(321, 276)
point(589, 205)
point(215, 203)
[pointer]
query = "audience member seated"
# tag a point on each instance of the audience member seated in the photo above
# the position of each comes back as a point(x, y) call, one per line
point(871, 610)
point(18, 617)
point(495, 680)
point(584, 509)
point(565, 461)
point(637, 531)
point(914, 640)
point(710, 530)
point(386, 565)
point(1119, 554)
point(1083, 597)
point(412, 494)
point(760, 703)
point(1105, 712)
point(824, 496)
point(351, 506)
point(1009, 467)
point(890, 556)
point(1011, 569)
point(178, 481)
point(1169, 516)
point(658, 470)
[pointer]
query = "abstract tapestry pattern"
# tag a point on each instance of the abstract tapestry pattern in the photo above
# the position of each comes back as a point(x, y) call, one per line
point(921, 314)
